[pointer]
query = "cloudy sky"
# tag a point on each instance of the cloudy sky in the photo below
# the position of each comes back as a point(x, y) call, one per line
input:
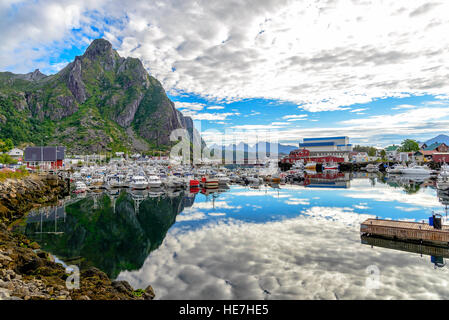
point(372, 70)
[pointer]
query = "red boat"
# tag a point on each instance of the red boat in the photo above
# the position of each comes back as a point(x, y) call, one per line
point(194, 183)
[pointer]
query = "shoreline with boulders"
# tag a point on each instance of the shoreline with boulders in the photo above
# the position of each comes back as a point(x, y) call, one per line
point(29, 273)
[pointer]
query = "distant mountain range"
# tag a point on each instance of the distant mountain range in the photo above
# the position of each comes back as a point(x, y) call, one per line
point(260, 146)
point(442, 138)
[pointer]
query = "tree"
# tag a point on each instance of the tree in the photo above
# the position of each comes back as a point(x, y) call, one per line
point(359, 148)
point(6, 145)
point(409, 145)
point(7, 159)
point(383, 154)
point(372, 151)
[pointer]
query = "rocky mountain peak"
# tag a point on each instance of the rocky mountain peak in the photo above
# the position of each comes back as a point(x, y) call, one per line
point(36, 75)
point(98, 47)
point(99, 101)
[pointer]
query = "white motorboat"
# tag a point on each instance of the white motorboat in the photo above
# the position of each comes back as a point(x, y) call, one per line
point(174, 182)
point(80, 187)
point(116, 181)
point(139, 182)
point(444, 171)
point(443, 179)
point(154, 181)
point(371, 168)
point(397, 168)
point(416, 170)
point(222, 178)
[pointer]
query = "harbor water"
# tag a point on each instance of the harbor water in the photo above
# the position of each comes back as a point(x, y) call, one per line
point(264, 242)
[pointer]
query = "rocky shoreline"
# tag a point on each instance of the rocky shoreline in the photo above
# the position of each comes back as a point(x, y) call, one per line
point(27, 272)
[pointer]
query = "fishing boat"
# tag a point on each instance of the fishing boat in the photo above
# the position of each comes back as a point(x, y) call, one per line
point(139, 182)
point(330, 166)
point(311, 165)
point(193, 183)
point(209, 183)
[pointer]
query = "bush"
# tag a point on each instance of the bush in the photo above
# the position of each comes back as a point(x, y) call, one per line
point(18, 174)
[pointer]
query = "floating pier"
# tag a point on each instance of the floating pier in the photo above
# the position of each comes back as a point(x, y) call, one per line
point(416, 232)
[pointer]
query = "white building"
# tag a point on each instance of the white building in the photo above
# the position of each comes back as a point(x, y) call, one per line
point(392, 153)
point(329, 146)
point(359, 156)
point(16, 153)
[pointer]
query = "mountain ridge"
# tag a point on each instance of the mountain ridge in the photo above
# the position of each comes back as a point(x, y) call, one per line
point(260, 146)
point(441, 138)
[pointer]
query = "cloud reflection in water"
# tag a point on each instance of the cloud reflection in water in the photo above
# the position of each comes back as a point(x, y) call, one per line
point(316, 255)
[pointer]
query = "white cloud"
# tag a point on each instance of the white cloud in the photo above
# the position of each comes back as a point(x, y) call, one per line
point(404, 106)
point(408, 209)
point(192, 106)
point(295, 117)
point(215, 108)
point(207, 116)
point(321, 55)
point(380, 130)
point(297, 201)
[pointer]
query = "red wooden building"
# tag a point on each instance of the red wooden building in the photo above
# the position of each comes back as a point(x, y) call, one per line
point(440, 157)
point(45, 157)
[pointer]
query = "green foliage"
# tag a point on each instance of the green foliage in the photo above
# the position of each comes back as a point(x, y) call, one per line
point(409, 145)
point(371, 151)
point(138, 292)
point(7, 159)
point(6, 145)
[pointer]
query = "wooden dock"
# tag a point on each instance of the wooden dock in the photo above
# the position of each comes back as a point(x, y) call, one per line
point(421, 249)
point(408, 231)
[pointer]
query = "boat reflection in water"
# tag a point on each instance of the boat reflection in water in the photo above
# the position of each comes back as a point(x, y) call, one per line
point(327, 179)
point(125, 227)
point(437, 254)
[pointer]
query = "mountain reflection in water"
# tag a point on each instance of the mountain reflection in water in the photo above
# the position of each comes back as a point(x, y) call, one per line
point(113, 233)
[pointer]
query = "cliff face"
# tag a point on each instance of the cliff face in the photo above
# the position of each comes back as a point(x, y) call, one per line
point(90, 105)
